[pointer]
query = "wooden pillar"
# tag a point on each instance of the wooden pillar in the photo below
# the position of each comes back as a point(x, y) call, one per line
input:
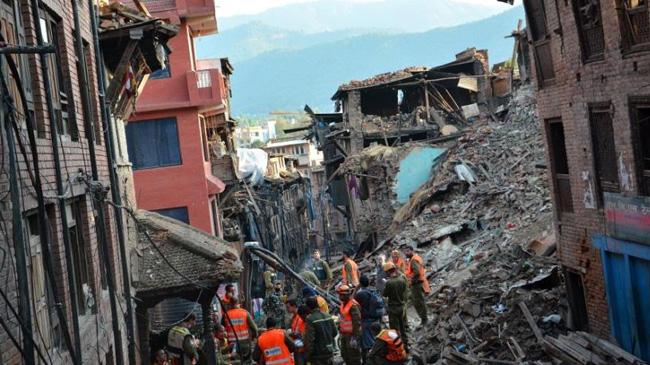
point(208, 339)
point(142, 316)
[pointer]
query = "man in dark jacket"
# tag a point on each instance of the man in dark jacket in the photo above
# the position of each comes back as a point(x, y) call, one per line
point(369, 314)
point(320, 332)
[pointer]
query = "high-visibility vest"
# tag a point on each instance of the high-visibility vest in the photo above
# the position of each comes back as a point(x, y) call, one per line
point(322, 304)
point(354, 274)
point(396, 350)
point(421, 275)
point(175, 340)
point(345, 325)
point(297, 325)
point(274, 350)
point(239, 320)
point(400, 264)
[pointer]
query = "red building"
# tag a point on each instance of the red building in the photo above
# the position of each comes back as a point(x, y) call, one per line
point(167, 140)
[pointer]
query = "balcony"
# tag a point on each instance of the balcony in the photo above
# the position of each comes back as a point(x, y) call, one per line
point(203, 89)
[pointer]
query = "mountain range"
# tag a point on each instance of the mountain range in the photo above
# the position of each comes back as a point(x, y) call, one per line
point(282, 69)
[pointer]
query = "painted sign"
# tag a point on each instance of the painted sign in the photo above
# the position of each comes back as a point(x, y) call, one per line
point(628, 218)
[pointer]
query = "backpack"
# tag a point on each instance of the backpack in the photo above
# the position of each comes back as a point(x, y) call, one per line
point(376, 305)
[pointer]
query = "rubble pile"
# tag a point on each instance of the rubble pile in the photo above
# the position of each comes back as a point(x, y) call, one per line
point(384, 78)
point(414, 120)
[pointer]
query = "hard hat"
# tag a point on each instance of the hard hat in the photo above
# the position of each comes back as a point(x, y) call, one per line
point(389, 266)
point(343, 289)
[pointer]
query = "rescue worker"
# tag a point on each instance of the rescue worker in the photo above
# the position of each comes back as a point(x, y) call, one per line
point(223, 349)
point(227, 296)
point(162, 358)
point(388, 349)
point(380, 275)
point(273, 305)
point(369, 314)
point(419, 284)
point(181, 343)
point(241, 330)
point(349, 326)
point(396, 291)
point(396, 258)
point(310, 277)
point(322, 269)
point(269, 279)
point(296, 331)
point(320, 332)
point(350, 271)
point(308, 292)
point(274, 347)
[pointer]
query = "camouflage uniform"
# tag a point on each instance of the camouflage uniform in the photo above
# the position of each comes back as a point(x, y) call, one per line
point(274, 307)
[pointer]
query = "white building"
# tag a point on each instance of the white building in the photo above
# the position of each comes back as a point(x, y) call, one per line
point(246, 136)
point(302, 150)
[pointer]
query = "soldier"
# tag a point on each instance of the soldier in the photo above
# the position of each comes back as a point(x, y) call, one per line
point(241, 329)
point(322, 269)
point(320, 332)
point(181, 343)
point(419, 284)
point(273, 305)
point(269, 278)
point(388, 349)
point(310, 277)
point(350, 271)
point(274, 347)
point(396, 291)
point(349, 326)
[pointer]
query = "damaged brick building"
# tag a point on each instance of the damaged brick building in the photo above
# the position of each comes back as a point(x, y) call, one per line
point(65, 269)
point(389, 110)
point(591, 68)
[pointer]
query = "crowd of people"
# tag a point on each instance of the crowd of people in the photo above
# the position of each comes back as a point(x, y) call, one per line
point(370, 325)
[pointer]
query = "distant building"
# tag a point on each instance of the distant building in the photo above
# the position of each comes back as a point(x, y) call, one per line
point(302, 151)
point(592, 67)
point(247, 136)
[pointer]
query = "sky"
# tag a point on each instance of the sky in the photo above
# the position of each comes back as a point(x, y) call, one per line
point(228, 8)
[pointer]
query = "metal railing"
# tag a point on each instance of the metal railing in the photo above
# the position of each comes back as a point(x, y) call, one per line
point(203, 79)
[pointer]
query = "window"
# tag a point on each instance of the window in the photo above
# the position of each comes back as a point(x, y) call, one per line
point(96, 117)
point(180, 214)
point(153, 143)
point(541, 39)
point(604, 151)
point(559, 166)
point(641, 130)
point(63, 108)
point(81, 257)
point(635, 24)
point(590, 29)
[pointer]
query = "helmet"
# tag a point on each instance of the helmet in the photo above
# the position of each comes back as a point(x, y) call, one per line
point(389, 266)
point(344, 289)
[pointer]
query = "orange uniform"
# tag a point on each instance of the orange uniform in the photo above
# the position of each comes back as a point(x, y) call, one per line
point(273, 348)
point(238, 324)
point(396, 351)
point(421, 275)
point(354, 273)
point(345, 325)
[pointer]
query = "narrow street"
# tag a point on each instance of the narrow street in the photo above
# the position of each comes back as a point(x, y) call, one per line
point(325, 182)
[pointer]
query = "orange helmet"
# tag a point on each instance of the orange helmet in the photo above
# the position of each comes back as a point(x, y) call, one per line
point(389, 266)
point(343, 289)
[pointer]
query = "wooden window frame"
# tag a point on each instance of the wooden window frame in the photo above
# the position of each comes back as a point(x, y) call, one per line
point(643, 174)
point(628, 44)
point(539, 41)
point(81, 254)
point(602, 186)
point(564, 202)
point(584, 31)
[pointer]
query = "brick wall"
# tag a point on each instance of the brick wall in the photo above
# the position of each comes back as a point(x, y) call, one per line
point(612, 79)
point(75, 157)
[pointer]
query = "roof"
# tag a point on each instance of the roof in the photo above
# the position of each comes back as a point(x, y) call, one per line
point(381, 79)
point(203, 258)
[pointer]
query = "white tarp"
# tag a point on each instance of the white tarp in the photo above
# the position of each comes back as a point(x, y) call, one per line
point(252, 164)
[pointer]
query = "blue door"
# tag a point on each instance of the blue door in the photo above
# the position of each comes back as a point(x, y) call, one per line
point(626, 267)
